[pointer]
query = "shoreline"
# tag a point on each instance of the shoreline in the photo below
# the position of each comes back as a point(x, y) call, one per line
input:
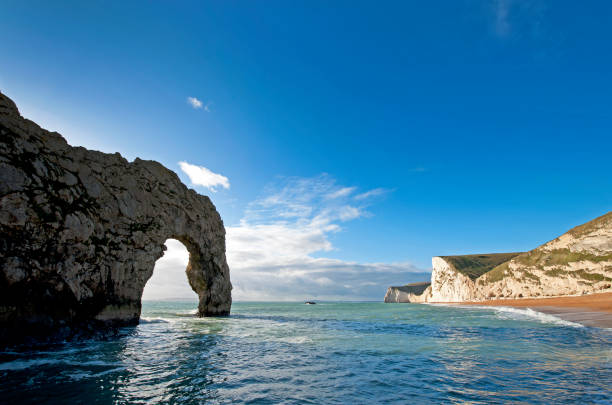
point(589, 310)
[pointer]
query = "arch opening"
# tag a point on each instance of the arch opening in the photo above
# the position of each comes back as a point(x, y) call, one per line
point(169, 281)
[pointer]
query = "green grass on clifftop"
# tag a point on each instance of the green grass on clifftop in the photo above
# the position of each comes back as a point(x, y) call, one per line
point(474, 266)
point(541, 259)
point(600, 222)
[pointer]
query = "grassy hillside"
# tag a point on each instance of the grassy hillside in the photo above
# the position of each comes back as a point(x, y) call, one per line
point(415, 288)
point(539, 258)
point(600, 222)
point(474, 266)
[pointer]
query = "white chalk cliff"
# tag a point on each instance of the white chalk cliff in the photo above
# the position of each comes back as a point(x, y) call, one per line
point(406, 293)
point(577, 262)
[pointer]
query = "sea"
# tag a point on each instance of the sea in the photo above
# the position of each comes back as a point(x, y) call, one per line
point(328, 353)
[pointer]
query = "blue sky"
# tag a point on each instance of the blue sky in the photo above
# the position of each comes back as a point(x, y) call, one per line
point(482, 126)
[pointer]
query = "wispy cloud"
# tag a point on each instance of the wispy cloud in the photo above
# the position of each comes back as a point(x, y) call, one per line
point(342, 192)
point(198, 104)
point(502, 22)
point(195, 103)
point(322, 278)
point(372, 193)
point(201, 176)
point(274, 253)
point(515, 19)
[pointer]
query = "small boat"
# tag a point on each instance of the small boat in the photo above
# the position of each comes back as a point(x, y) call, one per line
point(310, 303)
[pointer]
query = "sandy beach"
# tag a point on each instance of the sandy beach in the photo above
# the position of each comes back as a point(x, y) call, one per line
point(590, 310)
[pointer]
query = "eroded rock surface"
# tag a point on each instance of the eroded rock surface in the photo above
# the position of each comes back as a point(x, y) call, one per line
point(81, 231)
point(406, 293)
point(576, 263)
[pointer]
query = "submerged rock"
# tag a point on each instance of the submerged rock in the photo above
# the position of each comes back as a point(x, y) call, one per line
point(81, 231)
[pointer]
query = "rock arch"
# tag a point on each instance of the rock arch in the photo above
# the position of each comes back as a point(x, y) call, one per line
point(81, 231)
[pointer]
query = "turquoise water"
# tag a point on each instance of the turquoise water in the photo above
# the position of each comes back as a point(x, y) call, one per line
point(345, 353)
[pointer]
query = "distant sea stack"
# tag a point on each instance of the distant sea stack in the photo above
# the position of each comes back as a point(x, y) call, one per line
point(577, 262)
point(81, 231)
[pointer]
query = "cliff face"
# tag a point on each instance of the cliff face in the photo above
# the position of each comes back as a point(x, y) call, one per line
point(81, 231)
point(453, 277)
point(406, 293)
point(577, 262)
point(448, 284)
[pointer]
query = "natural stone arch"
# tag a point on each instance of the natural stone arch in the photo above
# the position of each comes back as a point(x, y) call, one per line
point(81, 231)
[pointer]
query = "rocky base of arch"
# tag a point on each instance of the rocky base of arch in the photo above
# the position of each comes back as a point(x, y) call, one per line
point(81, 231)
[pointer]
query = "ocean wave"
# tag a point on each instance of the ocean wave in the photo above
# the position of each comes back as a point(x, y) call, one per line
point(16, 365)
point(296, 339)
point(270, 354)
point(154, 320)
point(85, 374)
point(516, 314)
point(530, 314)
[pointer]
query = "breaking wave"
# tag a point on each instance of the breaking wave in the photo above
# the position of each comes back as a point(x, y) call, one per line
point(528, 313)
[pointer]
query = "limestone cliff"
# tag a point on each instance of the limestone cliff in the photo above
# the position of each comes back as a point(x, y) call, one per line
point(406, 293)
point(577, 262)
point(453, 277)
point(81, 231)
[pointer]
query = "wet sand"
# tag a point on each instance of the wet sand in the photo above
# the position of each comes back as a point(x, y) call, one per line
point(590, 310)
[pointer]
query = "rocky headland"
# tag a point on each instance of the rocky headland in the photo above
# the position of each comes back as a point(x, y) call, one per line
point(578, 262)
point(406, 293)
point(81, 231)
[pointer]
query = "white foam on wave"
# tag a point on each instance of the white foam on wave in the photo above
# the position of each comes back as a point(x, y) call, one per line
point(82, 375)
point(154, 320)
point(25, 364)
point(296, 339)
point(184, 312)
point(521, 314)
point(517, 314)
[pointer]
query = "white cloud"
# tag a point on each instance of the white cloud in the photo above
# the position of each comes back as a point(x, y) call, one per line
point(198, 104)
point(273, 253)
point(201, 176)
point(371, 193)
point(342, 192)
point(321, 278)
point(195, 103)
point(169, 280)
point(524, 18)
point(349, 212)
